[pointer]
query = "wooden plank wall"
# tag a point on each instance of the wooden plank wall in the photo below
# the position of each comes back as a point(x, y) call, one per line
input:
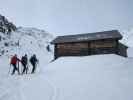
point(103, 44)
point(72, 49)
point(84, 48)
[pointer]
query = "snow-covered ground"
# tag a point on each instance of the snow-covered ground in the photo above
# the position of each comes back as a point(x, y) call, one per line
point(99, 77)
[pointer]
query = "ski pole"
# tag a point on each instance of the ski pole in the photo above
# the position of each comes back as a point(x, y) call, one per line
point(27, 68)
point(9, 69)
point(18, 68)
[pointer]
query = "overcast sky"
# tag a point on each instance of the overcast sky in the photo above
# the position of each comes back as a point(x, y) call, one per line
point(70, 16)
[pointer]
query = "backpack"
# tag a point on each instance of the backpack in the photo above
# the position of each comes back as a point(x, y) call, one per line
point(32, 59)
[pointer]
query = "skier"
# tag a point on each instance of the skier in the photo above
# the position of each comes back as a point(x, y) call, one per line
point(33, 61)
point(24, 62)
point(14, 61)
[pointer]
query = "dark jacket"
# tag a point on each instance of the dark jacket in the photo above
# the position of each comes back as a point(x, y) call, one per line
point(24, 60)
point(33, 60)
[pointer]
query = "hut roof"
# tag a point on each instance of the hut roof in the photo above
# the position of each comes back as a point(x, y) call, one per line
point(113, 34)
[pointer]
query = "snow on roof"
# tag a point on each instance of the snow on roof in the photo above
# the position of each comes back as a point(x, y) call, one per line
point(113, 34)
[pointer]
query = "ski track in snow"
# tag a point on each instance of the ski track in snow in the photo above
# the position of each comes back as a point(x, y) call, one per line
point(14, 87)
point(44, 80)
point(10, 87)
point(22, 84)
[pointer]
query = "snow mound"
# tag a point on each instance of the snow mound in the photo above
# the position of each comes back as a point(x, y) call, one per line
point(100, 77)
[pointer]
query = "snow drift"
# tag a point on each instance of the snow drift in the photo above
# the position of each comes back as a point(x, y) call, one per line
point(100, 77)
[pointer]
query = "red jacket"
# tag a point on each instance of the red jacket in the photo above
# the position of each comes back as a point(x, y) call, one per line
point(14, 60)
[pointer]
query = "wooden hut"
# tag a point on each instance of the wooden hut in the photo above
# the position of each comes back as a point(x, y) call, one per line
point(106, 42)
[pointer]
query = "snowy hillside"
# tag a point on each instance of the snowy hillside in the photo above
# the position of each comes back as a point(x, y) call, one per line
point(73, 78)
point(31, 40)
point(23, 40)
point(26, 41)
point(89, 78)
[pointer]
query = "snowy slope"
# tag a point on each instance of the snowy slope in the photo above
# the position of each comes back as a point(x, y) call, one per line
point(27, 41)
point(74, 78)
point(100, 77)
point(23, 41)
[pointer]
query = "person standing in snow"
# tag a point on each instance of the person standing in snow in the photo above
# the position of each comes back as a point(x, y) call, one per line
point(14, 61)
point(33, 61)
point(48, 48)
point(24, 62)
